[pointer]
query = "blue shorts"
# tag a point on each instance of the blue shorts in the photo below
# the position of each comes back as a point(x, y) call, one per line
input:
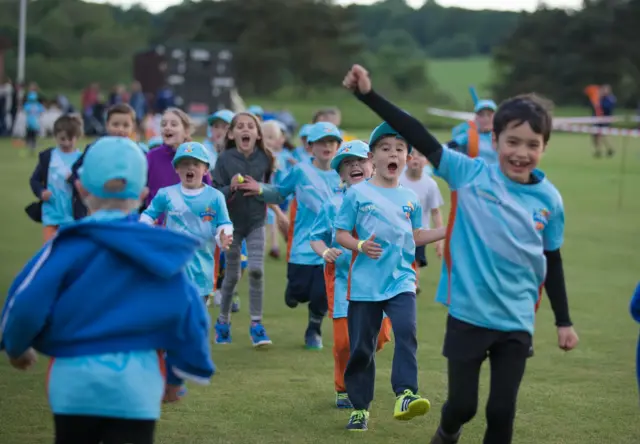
point(244, 260)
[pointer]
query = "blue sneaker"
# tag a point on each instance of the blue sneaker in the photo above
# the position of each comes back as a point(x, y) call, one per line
point(342, 401)
point(313, 341)
point(223, 333)
point(358, 421)
point(259, 336)
point(235, 306)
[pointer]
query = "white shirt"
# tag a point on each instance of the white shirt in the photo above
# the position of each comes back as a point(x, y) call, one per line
point(428, 192)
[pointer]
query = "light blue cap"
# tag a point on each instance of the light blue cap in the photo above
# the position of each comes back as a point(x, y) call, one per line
point(485, 104)
point(154, 142)
point(256, 110)
point(354, 148)
point(385, 130)
point(192, 150)
point(114, 158)
point(304, 130)
point(224, 114)
point(322, 130)
point(283, 126)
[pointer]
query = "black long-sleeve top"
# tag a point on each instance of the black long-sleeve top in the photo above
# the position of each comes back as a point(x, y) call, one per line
point(422, 140)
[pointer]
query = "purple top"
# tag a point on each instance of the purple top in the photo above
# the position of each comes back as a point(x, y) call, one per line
point(161, 171)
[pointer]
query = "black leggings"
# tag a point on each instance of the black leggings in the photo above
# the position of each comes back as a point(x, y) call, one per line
point(77, 429)
point(508, 361)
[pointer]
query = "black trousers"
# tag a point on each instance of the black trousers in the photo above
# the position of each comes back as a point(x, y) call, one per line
point(466, 347)
point(305, 283)
point(77, 429)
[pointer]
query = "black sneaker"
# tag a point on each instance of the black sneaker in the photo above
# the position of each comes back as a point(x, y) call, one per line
point(440, 438)
point(358, 422)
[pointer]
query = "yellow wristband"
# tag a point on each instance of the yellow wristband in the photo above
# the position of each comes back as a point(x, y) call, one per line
point(360, 244)
point(261, 190)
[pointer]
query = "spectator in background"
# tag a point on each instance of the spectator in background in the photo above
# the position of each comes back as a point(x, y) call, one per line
point(118, 95)
point(5, 105)
point(89, 99)
point(138, 102)
point(164, 99)
point(607, 106)
point(15, 100)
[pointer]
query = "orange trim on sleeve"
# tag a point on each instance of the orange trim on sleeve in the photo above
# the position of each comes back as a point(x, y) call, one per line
point(473, 140)
point(447, 241)
point(216, 265)
point(292, 224)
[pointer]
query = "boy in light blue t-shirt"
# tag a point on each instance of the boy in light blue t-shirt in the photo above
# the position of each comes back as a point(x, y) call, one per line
point(380, 222)
point(195, 208)
point(503, 244)
point(33, 110)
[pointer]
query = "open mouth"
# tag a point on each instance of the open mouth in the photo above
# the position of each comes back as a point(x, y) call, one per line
point(356, 175)
point(327, 153)
point(168, 135)
point(190, 176)
point(519, 165)
point(392, 167)
point(245, 138)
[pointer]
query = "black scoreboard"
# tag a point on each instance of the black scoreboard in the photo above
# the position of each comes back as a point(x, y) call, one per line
point(200, 75)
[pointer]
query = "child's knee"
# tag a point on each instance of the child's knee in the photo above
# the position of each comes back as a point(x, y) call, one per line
point(463, 409)
point(255, 274)
point(500, 413)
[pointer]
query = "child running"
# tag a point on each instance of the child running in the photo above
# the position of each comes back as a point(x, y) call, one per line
point(353, 165)
point(33, 110)
point(312, 184)
point(218, 125)
point(416, 178)
point(503, 243)
point(303, 153)
point(195, 208)
point(244, 158)
point(106, 377)
point(380, 222)
point(49, 179)
point(476, 140)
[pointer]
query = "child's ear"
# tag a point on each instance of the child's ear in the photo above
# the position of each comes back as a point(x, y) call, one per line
point(409, 157)
point(370, 155)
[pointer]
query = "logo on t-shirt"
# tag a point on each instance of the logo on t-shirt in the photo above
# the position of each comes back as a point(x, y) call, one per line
point(541, 218)
point(208, 214)
point(408, 209)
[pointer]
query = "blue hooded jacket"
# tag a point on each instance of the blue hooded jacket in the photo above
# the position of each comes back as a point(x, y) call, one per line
point(635, 313)
point(109, 284)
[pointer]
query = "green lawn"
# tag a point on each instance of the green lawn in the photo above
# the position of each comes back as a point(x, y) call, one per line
point(454, 76)
point(285, 394)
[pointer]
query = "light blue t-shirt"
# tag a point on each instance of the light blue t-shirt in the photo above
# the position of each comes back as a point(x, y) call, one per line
point(301, 155)
point(392, 215)
point(485, 146)
point(495, 268)
point(312, 188)
point(59, 209)
point(283, 165)
point(199, 213)
point(213, 153)
point(322, 230)
point(126, 385)
point(33, 111)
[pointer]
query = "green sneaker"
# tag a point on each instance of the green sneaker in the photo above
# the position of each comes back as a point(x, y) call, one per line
point(358, 421)
point(410, 405)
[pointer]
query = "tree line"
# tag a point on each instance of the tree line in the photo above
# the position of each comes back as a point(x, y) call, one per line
point(307, 44)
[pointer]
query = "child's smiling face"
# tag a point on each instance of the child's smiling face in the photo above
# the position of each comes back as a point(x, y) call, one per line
point(519, 151)
point(324, 149)
point(191, 172)
point(354, 170)
point(120, 125)
point(389, 157)
point(173, 131)
point(244, 132)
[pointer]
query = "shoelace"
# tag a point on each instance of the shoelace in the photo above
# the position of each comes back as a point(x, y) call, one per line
point(357, 416)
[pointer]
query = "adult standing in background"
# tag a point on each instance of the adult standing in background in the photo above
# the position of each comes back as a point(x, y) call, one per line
point(5, 105)
point(607, 104)
point(138, 102)
point(164, 99)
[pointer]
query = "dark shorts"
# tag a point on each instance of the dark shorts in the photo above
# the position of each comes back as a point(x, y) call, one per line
point(421, 256)
point(78, 429)
point(284, 206)
point(305, 283)
point(31, 136)
point(467, 342)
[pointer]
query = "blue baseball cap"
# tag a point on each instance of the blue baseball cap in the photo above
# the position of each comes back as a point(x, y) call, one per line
point(354, 148)
point(114, 158)
point(224, 114)
point(485, 104)
point(385, 130)
point(154, 142)
point(304, 130)
point(192, 150)
point(256, 110)
point(322, 130)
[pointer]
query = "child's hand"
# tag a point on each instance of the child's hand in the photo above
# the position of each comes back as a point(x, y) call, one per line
point(292, 161)
point(236, 180)
point(225, 240)
point(250, 186)
point(357, 79)
point(440, 249)
point(172, 393)
point(567, 338)
point(46, 195)
point(371, 249)
point(331, 254)
point(26, 361)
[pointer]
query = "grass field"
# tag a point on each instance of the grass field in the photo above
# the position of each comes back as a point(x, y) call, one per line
point(285, 394)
